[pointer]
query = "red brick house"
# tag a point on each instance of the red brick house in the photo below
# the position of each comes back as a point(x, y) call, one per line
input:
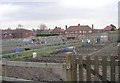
point(58, 30)
point(17, 33)
point(46, 31)
point(7, 34)
point(79, 30)
point(109, 28)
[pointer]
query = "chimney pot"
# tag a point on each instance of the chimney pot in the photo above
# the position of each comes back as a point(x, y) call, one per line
point(66, 27)
point(55, 26)
point(78, 24)
point(92, 26)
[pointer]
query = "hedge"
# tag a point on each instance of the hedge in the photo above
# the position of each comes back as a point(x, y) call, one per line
point(44, 35)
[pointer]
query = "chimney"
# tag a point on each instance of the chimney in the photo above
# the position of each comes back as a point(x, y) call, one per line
point(55, 26)
point(92, 26)
point(78, 24)
point(65, 27)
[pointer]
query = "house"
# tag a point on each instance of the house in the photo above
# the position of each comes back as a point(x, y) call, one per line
point(7, 34)
point(97, 30)
point(57, 30)
point(109, 28)
point(16, 33)
point(78, 30)
point(45, 31)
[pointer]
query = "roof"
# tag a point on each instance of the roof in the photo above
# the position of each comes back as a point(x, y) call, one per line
point(45, 31)
point(108, 28)
point(57, 30)
point(79, 28)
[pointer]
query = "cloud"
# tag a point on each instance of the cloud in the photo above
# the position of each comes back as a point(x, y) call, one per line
point(7, 9)
point(59, 12)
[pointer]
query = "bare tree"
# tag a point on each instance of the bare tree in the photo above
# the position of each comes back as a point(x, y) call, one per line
point(19, 25)
point(42, 27)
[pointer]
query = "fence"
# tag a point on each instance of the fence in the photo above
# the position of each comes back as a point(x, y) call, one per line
point(85, 68)
point(58, 68)
point(79, 68)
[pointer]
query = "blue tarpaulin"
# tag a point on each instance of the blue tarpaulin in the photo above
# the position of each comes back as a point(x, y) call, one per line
point(66, 43)
point(18, 51)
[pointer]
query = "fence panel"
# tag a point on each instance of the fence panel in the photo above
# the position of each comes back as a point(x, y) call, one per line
point(112, 68)
point(71, 72)
point(80, 68)
point(88, 68)
point(99, 67)
point(104, 68)
point(96, 68)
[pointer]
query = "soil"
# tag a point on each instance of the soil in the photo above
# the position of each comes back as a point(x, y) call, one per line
point(43, 74)
point(59, 56)
point(36, 74)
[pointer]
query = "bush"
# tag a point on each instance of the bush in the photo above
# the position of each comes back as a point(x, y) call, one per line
point(44, 35)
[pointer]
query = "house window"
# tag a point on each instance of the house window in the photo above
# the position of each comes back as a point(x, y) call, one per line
point(75, 31)
point(84, 31)
point(9, 34)
point(90, 31)
point(80, 31)
point(72, 32)
point(66, 32)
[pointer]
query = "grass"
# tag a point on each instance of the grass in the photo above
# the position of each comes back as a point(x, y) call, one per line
point(46, 51)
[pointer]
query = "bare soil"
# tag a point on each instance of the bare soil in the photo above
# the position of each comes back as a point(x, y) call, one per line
point(35, 74)
point(59, 57)
point(43, 74)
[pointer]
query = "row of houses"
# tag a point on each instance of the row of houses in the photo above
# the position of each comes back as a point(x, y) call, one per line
point(77, 30)
point(16, 33)
point(71, 30)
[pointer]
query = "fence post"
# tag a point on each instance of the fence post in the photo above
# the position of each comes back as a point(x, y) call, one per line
point(112, 68)
point(104, 68)
point(119, 67)
point(4, 70)
point(71, 70)
point(88, 68)
point(80, 68)
point(96, 66)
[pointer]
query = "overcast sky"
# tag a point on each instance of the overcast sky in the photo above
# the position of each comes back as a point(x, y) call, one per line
point(32, 13)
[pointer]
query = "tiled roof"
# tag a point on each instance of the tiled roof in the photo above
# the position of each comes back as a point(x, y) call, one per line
point(108, 28)
point(57, 30)
point(80, 28)
point(45, 31)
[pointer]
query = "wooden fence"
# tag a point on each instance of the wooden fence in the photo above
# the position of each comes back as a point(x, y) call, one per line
point(55, 66)
point(87, 68)
point(79, 68)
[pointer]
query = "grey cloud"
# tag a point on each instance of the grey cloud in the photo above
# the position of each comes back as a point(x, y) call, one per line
point(51, 11)
point(48, 11)
point(119, 14)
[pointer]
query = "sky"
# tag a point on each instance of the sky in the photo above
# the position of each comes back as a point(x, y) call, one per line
point(32, 13)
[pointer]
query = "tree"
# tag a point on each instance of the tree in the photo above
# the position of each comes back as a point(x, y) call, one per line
point(42, 27)
point(33, 30)
point(19, 25)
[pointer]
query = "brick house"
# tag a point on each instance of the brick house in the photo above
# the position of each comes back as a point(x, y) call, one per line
point(97, 30)
point(17, 33)
point(109, 28)
point(7, 34)
point(78, 30)
point(58, 30)
point(46, 31)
